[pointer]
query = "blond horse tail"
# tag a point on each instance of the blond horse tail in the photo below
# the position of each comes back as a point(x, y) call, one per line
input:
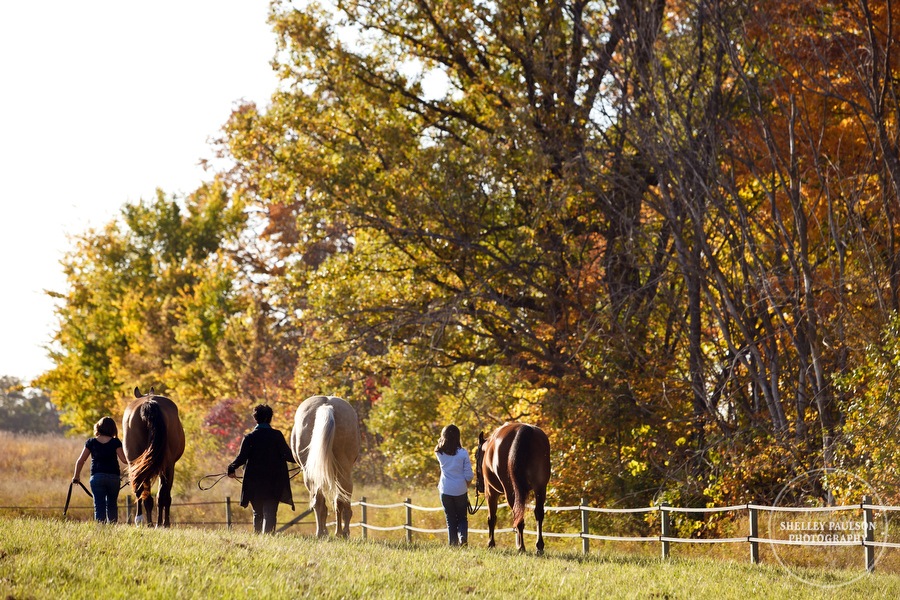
point(320, 470)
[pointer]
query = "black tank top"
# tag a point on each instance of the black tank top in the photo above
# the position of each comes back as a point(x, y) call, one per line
point(104, 458)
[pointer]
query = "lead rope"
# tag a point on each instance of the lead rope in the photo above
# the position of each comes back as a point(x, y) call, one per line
point(474, 509)
point(220, 476)
point(69, 495)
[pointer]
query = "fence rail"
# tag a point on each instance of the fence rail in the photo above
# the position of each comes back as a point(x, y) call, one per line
point(860, 534)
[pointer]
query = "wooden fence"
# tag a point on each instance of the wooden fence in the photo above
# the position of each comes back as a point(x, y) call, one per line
point(861, 534)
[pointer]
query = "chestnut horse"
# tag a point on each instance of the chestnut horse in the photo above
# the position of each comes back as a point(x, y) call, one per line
point(325, 442)
point(513, 461)
point(153, 439)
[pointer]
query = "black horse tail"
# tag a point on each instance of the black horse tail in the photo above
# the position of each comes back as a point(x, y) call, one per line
point(519, 460)
point(150, 463)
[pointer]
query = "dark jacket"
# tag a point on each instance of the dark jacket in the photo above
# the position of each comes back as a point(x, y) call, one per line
point(264, 451)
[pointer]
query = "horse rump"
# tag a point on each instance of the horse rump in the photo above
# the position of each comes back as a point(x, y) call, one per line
point(517, 466)
point(514, 461)
point(150, 462)
point(321, 470)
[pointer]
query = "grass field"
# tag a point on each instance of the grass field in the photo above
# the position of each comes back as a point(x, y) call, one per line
point(53, 559)
point(43, 554)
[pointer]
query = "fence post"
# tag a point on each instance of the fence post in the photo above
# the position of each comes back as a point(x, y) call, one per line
point(869, 524)
point(364, 522)
point(665, 525)
point(408, 527)
point(228, 512)
point(128, 508)
point(585, 530)
point(754, 534)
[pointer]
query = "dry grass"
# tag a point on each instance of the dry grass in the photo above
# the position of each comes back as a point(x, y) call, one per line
point(36, 469)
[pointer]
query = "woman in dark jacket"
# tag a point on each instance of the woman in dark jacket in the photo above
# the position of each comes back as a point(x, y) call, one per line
point(265, 453)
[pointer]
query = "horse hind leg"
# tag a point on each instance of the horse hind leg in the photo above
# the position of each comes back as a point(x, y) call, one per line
point(342, 509)
point(339, 517)
point(144, 511)
point(148, 508)
point(321, 508)
point(164, 504)
point(518, 509)
point(144, 504)
point(165, 497)
point(539, 499)
point(519, 526)
point(492, 518)
point(343, 514)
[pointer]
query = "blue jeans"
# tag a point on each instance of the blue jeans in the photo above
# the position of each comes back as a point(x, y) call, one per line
point(457, 518)
point(105, 488)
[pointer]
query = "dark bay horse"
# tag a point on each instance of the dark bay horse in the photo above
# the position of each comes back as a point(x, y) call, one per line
point(325, 442)
point(153, 439)
point(513, 461)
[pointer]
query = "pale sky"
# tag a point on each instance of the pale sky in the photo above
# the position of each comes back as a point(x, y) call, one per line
point(102, 102)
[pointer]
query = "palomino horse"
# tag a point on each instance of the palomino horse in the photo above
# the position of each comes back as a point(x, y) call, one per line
point(154, 440)
point(512, 462)
point(325, 442)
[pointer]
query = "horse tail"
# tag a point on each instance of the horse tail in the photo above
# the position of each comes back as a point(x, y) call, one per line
point(150, 463)
point(519, 459)
point(320, 470)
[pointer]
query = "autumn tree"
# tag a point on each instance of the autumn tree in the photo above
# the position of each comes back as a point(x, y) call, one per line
point(662, 229)
point(153, 298)
point(472, 206)
point(626, 205)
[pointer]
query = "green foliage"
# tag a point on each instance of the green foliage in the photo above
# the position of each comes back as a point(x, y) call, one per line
point(406, 420)
point(413, 408)
point(870, 447)
point(149, 302)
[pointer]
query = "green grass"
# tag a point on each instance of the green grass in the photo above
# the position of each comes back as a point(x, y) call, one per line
point(43, 558)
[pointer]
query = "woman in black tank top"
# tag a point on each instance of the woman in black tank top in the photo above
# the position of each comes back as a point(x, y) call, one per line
point(105, 450)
